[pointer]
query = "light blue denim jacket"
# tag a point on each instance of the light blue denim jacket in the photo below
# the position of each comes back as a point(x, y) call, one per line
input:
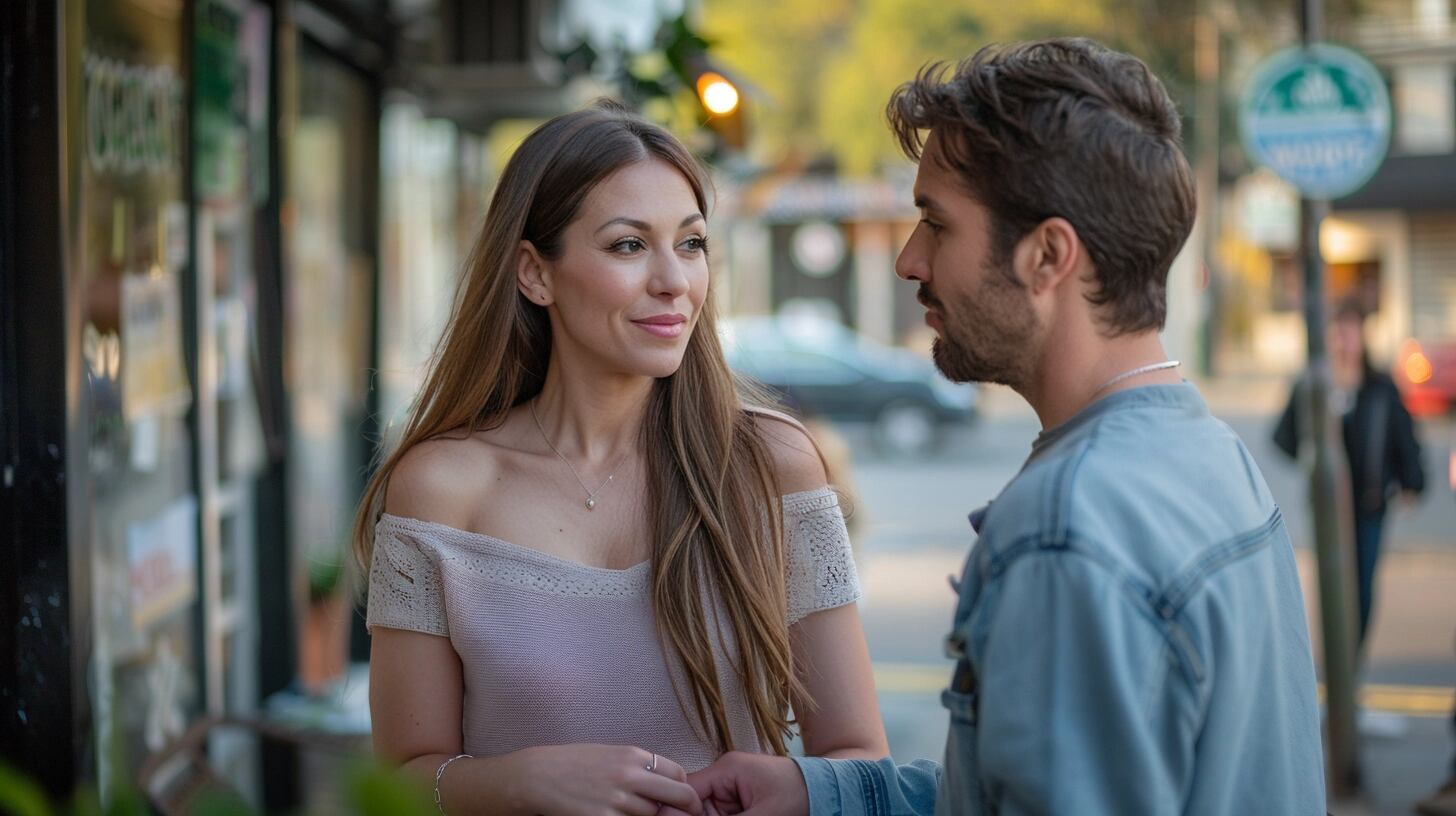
point(1130, 637)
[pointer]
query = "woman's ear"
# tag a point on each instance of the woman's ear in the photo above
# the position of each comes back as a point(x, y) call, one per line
point(533, 274)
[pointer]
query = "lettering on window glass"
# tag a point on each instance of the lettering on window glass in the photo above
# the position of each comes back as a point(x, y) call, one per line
point(134, 117)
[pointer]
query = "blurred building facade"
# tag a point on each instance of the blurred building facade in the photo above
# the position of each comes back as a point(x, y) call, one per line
point(823, 245)
point(1391, 245)
point(229, 238)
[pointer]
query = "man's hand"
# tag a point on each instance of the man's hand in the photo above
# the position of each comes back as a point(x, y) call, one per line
point(753, 785)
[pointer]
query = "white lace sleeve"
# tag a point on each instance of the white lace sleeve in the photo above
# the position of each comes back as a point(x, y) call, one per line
point(404, 582)
point(820, 562)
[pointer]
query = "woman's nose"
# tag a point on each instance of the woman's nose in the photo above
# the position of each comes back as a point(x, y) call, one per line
point(670, 278)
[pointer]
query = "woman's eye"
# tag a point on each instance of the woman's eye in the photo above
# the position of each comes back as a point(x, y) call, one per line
point(627, 246)
point(697, 243)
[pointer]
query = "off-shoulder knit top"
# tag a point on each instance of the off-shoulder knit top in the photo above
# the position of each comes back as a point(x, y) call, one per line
point(556, 652)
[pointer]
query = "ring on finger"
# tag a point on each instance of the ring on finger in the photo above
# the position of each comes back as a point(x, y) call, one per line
point(652, 766)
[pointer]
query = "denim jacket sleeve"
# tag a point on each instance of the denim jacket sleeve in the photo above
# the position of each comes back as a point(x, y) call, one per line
point(859, 787)
point(1080, 704)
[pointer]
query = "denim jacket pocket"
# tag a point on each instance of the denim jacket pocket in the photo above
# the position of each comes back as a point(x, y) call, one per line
point(961, 792)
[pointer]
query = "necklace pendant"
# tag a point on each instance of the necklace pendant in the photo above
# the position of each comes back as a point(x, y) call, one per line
point(591, 504)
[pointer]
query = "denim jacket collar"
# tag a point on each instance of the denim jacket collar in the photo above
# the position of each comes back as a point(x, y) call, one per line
point(1183, 395)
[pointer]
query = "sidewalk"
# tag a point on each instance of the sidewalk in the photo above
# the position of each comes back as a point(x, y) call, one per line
point(1412, 666)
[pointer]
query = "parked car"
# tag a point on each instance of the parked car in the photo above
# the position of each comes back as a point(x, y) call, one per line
point(824, 369)
point(1426, 375)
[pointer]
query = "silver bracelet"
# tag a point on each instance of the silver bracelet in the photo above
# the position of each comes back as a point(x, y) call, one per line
point(439, 772)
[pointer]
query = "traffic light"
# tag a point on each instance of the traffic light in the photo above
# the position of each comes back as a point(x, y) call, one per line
point(718, 95)
point(721, 101)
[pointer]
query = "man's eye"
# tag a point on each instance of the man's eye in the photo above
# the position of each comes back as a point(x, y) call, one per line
point(934, 227)
point(627, 246)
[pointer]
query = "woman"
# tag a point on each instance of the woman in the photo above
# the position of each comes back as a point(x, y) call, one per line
point(593, 566)
point(1380, 442)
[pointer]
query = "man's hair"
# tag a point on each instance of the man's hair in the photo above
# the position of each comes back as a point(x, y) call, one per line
point(1065, 128)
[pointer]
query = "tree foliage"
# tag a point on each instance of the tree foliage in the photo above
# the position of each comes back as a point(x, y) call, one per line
point(824, 70)
point(892, 39)
point(781, 47)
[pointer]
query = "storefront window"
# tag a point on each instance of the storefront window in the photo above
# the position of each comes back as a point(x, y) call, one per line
point(332, 170)
point(128, 121)
point(434, 183)
point(231, 184)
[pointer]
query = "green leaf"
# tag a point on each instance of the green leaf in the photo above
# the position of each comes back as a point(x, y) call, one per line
point(375, 791)
point(20, 795)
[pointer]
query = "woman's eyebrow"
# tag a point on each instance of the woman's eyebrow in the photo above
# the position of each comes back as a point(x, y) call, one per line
point(646, 227)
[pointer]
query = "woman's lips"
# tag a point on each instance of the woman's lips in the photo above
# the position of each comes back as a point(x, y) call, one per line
point(668, 330)
point(665, 326)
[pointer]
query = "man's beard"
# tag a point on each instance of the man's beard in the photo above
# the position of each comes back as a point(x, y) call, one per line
point(987, 337)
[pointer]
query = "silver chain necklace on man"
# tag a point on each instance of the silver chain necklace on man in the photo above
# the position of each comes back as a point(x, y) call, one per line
point(1140, 370)
point(591, 495)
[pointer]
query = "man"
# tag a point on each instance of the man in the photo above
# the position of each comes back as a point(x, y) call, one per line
point(1130, 634)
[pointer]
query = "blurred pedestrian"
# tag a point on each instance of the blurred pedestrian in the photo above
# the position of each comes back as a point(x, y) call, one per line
point(1379, 440)
point(1130, 636)
point(595, 564)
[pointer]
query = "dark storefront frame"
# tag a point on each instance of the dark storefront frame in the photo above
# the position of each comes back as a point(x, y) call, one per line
point(42, 688)
point(45, 575)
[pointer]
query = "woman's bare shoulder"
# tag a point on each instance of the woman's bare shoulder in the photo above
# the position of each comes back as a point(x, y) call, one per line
point(797, 461)
point(441, 479)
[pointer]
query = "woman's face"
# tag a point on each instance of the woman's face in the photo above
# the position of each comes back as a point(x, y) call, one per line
point(626, 291)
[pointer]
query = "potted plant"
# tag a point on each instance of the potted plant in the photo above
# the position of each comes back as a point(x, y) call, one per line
point(323, 642)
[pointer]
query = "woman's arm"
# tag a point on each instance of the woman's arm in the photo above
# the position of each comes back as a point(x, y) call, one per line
point(415, 696)
point(833, 664)
point(415, 699)
point(841, 718)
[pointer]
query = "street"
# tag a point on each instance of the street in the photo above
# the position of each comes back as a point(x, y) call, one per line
point(909, 524)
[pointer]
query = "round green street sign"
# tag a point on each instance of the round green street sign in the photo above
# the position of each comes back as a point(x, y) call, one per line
point(1319, 117)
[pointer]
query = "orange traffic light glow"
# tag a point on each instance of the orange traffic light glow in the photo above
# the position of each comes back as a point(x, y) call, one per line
point(718, 94)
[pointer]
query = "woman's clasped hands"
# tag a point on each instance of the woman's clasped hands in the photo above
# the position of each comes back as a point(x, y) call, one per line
point(604, 780)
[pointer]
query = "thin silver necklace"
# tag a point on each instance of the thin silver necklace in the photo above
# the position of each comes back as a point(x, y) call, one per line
point(591, 495)
point(1140, 370)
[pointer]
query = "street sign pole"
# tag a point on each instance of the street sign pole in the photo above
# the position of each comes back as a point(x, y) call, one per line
point(1342, 761)
point(1331, 551)
point(1318, 116)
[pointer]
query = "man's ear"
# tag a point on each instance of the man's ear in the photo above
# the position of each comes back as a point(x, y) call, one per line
point(533, 274)
point(1053, 254)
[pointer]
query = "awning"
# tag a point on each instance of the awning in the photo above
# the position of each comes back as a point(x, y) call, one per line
point(1411, 183)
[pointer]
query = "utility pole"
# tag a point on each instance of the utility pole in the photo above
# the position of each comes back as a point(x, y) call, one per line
point(1342, 761)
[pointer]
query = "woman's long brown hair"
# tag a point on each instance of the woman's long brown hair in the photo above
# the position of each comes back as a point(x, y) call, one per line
point(712, 489)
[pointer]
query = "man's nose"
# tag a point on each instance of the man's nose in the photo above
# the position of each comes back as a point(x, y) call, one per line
point(910, 265)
